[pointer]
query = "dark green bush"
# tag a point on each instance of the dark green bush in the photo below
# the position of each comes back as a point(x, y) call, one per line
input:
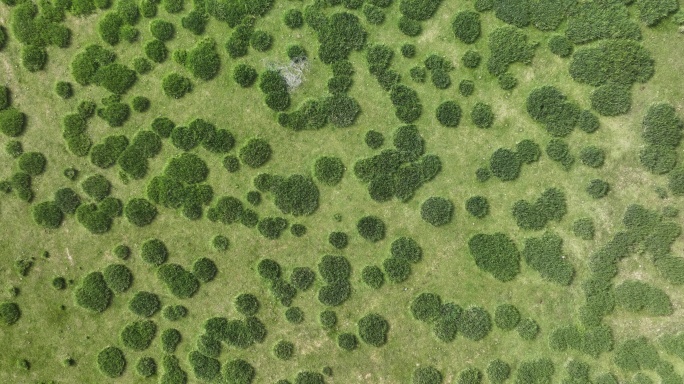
point(406, 102)
point(59, 283)
point(347, 341)
point(334, 294)
point(96, 187)
point(334, 269)
point(254, 198)
point(118, 278)
point(496, 254)
point(426, 374)
point(426, 307)
point(584, 228)
point(9, 313)
point(470, 376)
point(293, 18)
point(306, 377)
point(475, 323)
point(482, 115)
point(409, 27)
point(477, 206)
point(170, 338)
point(471, 59)
point(507, 81)
point(261, 41)
point(592, 156)
point(244, 75)
point(64, 90)
point(111, 362)
point(373, 329)
point(598, 188)
point(187, 168)
point(466, 87)
point(48, 214)
point(204, 269)
point(373, 277)
point(498, 371)
point(204, 367)
point(144, 304)
point(589, 22)
point(441, 79)
point(407, 249)
point(298, 230)
point(652, 12)
point(374, 139)
point(238, 371)
point(146, 367)
point(639, 297)
point(162, 30)
point(342, 110)
point(508, 45)
point(611, 100)
point(140, 104)
point(203, 61)
point(93, 219)
point(5, 97)
point(272, 227)
point(560, 45)
point(14, 148)
point(156, 51)
point(342, 34)
point(269, 269)
point(176, 86)
point(449, 114)
point(93, 293)
point(437, 211)
point(466, 26)
point(338, 240)
point(115, 114)
point(506, 317)
point(255, 153)
point(528, 329)
point(371, 228)
point(658, 159)
point(535, 371)
point(545, 255)
point(283, 350)
point(174, 312)
point(328, 319)
point(247, 304)
point(620, 62)
point(180, 282)
point(33, 58)
point(172, 372)
point(558, 150)
point(408, 50)
point(141, 64)
point(154, 252)
point(418, 74)
point(294, 315)
point(195, 21)
point(12, 122)
point(302, 278)
point(397, 270)
point(505, 164)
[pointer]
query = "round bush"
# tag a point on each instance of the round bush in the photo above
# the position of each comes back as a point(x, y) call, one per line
point(338, 240)
point(588, 122)
point(283, 350)
point(268, 269)
point(505, 164)
point(328, 319)
point(528, 329)
point(12, 122)
point(405, 248)
point(466, 87)
point(471, 59)
point(560, 45)
point(437, 211)
point(528, 151)
point(498, 371)
point(220, 243)
point(373, 277)
point(374, 139)
point(97, 187)
point(409, 27)
point(142, 65)
point(32, 163)
point(334, 294)
point(176, 86)
point(506, 317)
point(449, 114)
point(93, 293)
point(118, 277)
point(397, 270)
point(247, 304)
point(426, 307)
point(329, 170)
point(48, 214)
point(244, 75)
point(162, 30)
point(373, 329)
point(144, 304)
point(507, 81)
point(611, 100)
point(408, 50)
point(14, 148)
point(9, 313)
point(204, 269)
point(441, 79)
point(261, 41)
point(154, 252)
point(426, 374)
point(294, 315)
point(298, 230)
point(140, 104)
point(371, 228)
point(466, 26)
point(592, 156)
point(156, 51)
point(334, 269)
point(302, 278)
point(64, 90)
point(418, 74)
point(598, 188)
point(475, 323)
point(59, 283)
point(293, 18)
point(33, 58)
point(255, 153)
point(170, 339)
point(470, 376)
point(187, 168)
point(238, 371)
point(140, 212)
point(146, 367)
point(174, 312)
point(482, 115)
point(139, 335)
point(272, 227)
point(477, 206)
point(111, 362)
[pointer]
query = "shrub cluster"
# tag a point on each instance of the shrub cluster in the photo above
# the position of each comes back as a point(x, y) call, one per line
point(373, 277)
point(617, 62)
point(405, 248)
point(293, 18)
point(138, 335)
point(373, 329)
point(662, 132)
point(339, 36)
point(406, 103)
point(471, 59)
point(549, 106)
point(238, 371)
point(339, 240)
point(611, 99)
point(238, 42)
point(590, 21)
point(496, 254)
point(154, 252)
point(172, 371)
point(114, 113)
point(174, 312)
point(551, 205)
point(466, 27)
point(118, 278)
point(437, 211)
point(426, 307)
point(146, 367)
point(180, 282)
point(559, 151)
point(170, 338)
point(302, 278)
point(294, 315)
point(14, 148)
point(111, 361)
point(33, 58)
point(204, 367)
point(592, 156)
point(639, 297)
point(94, 219)
point(247, 304)
point(105, 154)
point(244, 75)
point(195, 21)
point(508, 45)
point(545, 255)
point(653, 12)
point(93, 293)
point(203, 61)
point(96, 187)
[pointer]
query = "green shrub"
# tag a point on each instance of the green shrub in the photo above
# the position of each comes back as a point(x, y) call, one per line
point(48, 214)
point(334, 294)
point(93, 293)
point(170, 338)
point(195, 21)
point(620, 62)
point(12, 122)
point(302, 278)
point(111, 362)
point(482, 115)
point(172, 372)
point(261, 41)
point(496, 254)
point(374, 139)
point(96, 187)
point(238, 371)
point(549, 106)
point(592, 156)
point(528, 329)
point(338, 240)
point(397, 270)
point(506, 317)
point(589, 22)
point(426, 374)
point(471, 59)
point(247, 304)
point(466, 26)
point(146, 367)
point(409, 27)
point(339, 36)
point(209, 346)
point(33, 58)
point(272, 227)
point(437, 211)
point(470, 376)
point(545, 255)
point(584, 228)
point(405, 100)
point(334, 269)
point(505, 164)
point(156, 51)
point(477, 206)
point(652, 12)
point(204, 269)
point(269, 269)
point(14, 148)
point(371, 228)
point(141, 64)
point(64, 90)
point(176, 86)
point(118, 277)
point(244, 75)
point(466, 88)
point(636, 354)
point(551, 205)
point(639, 297)
point(255, 153)
point(441, 79)
point(180, 282)
point(59, 283)
point(204, 367)
point(498, 371)
point(203, 61)
point(93, 219)
point(111, 206)
point(449, 114)
point(140, 104)
point(426, 307)
point(294, 315)
point(658, 159)
point(508, 45)
point(293, 18)
point(9, 313)
point(676, 182)
point(475, 323)
point(507, 81)
point(558, 150)
point(342, 110)
point(560, 45)
point(373, 329)
point(283, 350)
point(373, 277)
point(611, 100)
point(187, 168)
point(535, 371)
point(418, 74)
point(407, 249)
point(174, 312)
point(306, 377)
point(115, 114)
point(296, 195)
point(598, 188)
point(162, 30)
point(144, 304)
point(154, 252)
point(408, 50)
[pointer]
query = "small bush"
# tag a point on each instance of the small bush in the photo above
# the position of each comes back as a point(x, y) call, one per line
point(437, 211)
point(146, 367)
point(373, 277)
point(373, 329)
point(261, 41)
point(405, 100)
point(338, 240)
point(329, 170)
point(238, 371)
point(598, 188)
point(545, 255)
point(293, 18)
point(244, 75)
point(170, 338)
point(144, 304)
point(482, 115)
point(475, 323)
point(334, 294)
point(247, 304)
point(449, 114)
point(14, 148)
point(592, 156)
point(374, 139)
point(441, 79)
point(426, 307)
point(397, 270)
point(466, 26)
point(505, 164)
point(498, 371)
point(48, 214)
point(298, 230)
point(639, 297)
point(59, 283)
point(496, 254)
point(93, 293)
point(407, 249)
point(507, 81)
point(272, 227)
point(528, 329)
point(470, 376)
point(203, 61)
point(64, 90)
point(466, 88)
point(255, 153)
point(154, 252)
point(176, 86)
point(33, 58)
point(174, 312)
point(302, 278)
point(96, 186)
point(162, 30)
point(584, 228)
point(140, 104)
point(371, 228)
point(347, 341)
point(142, 65)
point(408, 50)
point(12, 122)
point(180, 282)
point(560, 45)
point(535, 371)
point(283, 350)
point(477, 206)
point(118, 277)
point(9, 313)
point(111, 362)
point(418, 74)
point(204, 269)
point(294, 315)
point(269, 269)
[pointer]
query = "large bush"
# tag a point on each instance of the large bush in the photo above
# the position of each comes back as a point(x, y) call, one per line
point(449, 114)
point(334, 269)
point(545, 255)
point(48, 214)
point(93, 293)
point(144, 304)
point(639, 297)
point(12, 122)
point(339, 36)
point(371, 228)
point(549, 106)
point(437, 211)
point(203, 61)
point(373, 329)
point(419, 9)
point(111, 361)
point(508, 45)
point(139, 335)
point(621, 62)
point(187, 168)
point(466, 26)
point(118, 277)
point(535, 371)
point(176, 86)
point(475, 323)
point(154, 252)
point(611, 99)
point(496, 254)
point(505, 164)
